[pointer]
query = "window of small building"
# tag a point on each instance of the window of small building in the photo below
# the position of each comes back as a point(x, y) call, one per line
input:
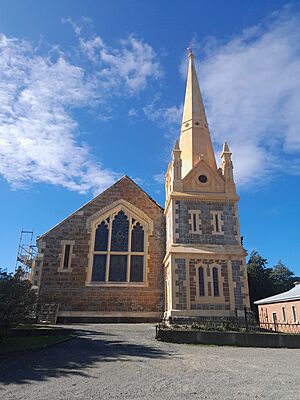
point(201, 281)
point(215, 281)
point(274, 317)
point(294, 314)
point(119, 250)
point(283, 314)
point(267, 317)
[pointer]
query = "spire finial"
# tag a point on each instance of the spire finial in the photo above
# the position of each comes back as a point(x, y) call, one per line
point(225, 148)
point(176, 147)
point(190, 50)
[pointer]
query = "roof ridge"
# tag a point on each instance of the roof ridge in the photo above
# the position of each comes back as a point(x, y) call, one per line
point(94, 198)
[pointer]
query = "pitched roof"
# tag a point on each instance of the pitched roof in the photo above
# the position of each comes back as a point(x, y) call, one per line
point(99, 195)
point(290, 295)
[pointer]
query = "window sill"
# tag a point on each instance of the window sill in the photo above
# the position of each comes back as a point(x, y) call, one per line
point(116, 284)
point(64, 270)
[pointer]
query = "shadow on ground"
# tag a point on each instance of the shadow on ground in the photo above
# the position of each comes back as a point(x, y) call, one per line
point(73, 358)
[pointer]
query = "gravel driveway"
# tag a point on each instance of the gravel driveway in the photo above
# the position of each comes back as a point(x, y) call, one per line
point(124, 361)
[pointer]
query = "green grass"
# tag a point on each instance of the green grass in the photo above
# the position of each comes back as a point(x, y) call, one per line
point(35, 327)
point(16, 344)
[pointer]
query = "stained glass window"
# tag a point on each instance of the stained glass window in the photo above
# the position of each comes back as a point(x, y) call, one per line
point(118, 268)
point(99, 267)
point(101, 237)
point(137, 269)
point(120, 229)
point(119, 249)
point(137, 238)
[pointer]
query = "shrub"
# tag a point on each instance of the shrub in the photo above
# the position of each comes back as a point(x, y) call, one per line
point(17, 300)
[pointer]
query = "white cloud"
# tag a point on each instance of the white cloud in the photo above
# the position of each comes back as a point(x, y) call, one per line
point(160, 178)
point(127, 67)
point(104, 118)
point(133, 112)
point(251, 88)
point(39, 135)
point(169, 117)
point(132, 64)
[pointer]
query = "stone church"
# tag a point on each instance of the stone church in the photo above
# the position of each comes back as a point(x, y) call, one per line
point(122, 257)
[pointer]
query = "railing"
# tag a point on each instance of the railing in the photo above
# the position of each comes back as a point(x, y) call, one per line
point(246, 323)
point(280, 327)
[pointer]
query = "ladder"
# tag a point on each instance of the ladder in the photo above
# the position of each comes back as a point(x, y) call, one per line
point(48, 313)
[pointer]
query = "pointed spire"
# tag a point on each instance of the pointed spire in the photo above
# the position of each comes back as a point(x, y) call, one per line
point(195, 140)
point(227, 169)
point(176, 147)
point(225, 149)
point(193, 104)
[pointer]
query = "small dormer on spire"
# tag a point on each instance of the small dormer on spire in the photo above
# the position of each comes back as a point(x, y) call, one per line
point(195, 137)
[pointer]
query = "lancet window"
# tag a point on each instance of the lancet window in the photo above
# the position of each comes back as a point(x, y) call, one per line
point(201, 281)
point(119, 249)
point(215, 281)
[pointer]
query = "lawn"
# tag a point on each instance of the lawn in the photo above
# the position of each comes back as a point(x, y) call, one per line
point(30, 339)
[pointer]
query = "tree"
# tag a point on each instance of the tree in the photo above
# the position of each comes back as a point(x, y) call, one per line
point(265, 282)
point(17, 300)
point(260, 283)
point(282, 277)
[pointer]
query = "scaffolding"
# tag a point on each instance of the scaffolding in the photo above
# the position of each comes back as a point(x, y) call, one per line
point(26, 253)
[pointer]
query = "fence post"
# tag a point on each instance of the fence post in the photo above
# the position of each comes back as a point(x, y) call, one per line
point(246, 320)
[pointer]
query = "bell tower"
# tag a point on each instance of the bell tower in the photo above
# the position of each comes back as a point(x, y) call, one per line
point(205, 268)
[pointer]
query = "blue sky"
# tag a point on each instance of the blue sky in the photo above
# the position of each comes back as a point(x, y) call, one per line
point(90, 91)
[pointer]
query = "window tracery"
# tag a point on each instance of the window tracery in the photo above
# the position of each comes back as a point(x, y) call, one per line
point(119, 249)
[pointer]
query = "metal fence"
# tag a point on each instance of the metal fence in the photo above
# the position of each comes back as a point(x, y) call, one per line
point(247, 323)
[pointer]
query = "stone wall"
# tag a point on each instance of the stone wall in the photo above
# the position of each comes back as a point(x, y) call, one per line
point(188, 292)
point(183, 209)
point(180, 284)
point(68, 288)
point(238, 278)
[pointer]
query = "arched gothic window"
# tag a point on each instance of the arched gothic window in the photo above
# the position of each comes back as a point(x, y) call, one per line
point(201, 281)
point(119, 249)
point(215, 281)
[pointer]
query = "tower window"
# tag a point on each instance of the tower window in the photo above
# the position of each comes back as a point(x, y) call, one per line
point(119, 249)
point(203, 179)
point(201, 281)
point(217, 223)
point(194, 222)
point(215, 281)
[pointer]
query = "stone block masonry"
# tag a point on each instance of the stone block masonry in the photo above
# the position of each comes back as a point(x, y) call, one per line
point(183, 211)
point(69, 289)
point(180, 284)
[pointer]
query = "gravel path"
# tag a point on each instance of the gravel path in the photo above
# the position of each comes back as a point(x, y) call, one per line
point(124, 361)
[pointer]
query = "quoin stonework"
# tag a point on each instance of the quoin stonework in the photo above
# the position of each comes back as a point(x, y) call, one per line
point(123, 257)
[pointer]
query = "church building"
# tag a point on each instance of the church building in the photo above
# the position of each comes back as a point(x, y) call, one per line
point(122, 257)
